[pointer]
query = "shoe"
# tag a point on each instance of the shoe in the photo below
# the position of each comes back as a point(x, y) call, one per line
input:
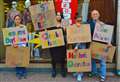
point(53, 73)
point(92, 74)
point(75, 74)
point(79, 78)
point(102, 79)
point(19, 76)
point(63, 73)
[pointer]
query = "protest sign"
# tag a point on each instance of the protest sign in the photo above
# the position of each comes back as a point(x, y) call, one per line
point(49, 38)
point(103, 33)
point(79, 61)
point(77, 35)
point(43, 15)
point(14, 35)
point(99, 49)
point(17, 57)
point(52, 38)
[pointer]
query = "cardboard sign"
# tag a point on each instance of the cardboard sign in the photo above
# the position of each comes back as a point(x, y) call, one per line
point(98, 49)
point(15, 35)
point(103, 33)
point(77, 35)
point(52, 38)
point(17, 57)
point(43, 15)
point(79, 61)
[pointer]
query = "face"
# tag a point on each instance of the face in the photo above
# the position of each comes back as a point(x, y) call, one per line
point(17, 20)
point(58, 17)
point(78, 21)
point(95, 15)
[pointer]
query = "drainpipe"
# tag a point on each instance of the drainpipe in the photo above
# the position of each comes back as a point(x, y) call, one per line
point(118, 38)
point(85, 8)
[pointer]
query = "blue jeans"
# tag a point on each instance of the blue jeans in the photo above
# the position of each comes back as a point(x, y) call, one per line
point(21, 71)
point(102, 71)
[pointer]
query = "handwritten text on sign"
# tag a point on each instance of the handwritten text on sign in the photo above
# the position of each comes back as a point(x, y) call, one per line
point(43, 15)
point(52, 38)
point(14, 35)
point(79, 34)
point(99, 49)
point(79, 61)
point(103, 33)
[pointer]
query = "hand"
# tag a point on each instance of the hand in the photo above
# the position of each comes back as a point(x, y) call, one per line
point(109, 45)
point(15, 45)
point(104, 55)
point(75, 49)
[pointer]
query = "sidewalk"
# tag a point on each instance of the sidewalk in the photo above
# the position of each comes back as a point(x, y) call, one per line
point(45, 77)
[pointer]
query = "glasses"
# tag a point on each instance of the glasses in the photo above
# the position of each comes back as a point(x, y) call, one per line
point(78, 20)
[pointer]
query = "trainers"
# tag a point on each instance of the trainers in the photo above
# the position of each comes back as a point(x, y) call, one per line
point(63, 73)
point(102, 79)
point(92, 74)
point(75, 74)
point(79, 78)
point(53, 73)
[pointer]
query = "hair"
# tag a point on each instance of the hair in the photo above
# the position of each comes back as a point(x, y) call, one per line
point(18, 16)
point(62, 17)
point(77, 16)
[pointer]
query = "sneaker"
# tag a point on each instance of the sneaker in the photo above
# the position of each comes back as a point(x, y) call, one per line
point(102, 79)
point(79, 78)
point(53, 73)
point(63, 73)
point(19, 76)
point(92, 74)
point(75, 74)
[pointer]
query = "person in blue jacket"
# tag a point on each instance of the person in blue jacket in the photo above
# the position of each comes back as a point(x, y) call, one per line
point(95, 15)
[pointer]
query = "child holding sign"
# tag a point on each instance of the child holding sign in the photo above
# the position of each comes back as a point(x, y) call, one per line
point(20, 71)
point(79, 75)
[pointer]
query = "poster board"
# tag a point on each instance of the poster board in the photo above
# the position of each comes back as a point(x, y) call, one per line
point(43, 15)
point(97, 49)
point(79, 61)
point(17, 57)
point(103, 33)
point(52, 38)
point(15, 35)
point(77, 35)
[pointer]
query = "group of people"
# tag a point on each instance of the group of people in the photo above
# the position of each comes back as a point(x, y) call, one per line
point(58, 54)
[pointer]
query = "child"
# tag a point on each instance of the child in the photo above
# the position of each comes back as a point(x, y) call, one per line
point(20, 71)
point(79, 75)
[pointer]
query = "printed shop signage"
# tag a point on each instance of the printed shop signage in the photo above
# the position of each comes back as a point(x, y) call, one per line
point(103, 33)
point(77, 35)
point(43, 15)
point(66, 12)
point(49, 38)
point(79, 61)
point(15, 35)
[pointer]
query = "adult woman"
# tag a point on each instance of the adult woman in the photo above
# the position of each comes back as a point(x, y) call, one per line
point(58, 54)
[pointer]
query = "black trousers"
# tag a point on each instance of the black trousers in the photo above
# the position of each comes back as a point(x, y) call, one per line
point(58, 56)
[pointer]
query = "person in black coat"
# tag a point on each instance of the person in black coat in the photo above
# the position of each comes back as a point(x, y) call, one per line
point(58, 54)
